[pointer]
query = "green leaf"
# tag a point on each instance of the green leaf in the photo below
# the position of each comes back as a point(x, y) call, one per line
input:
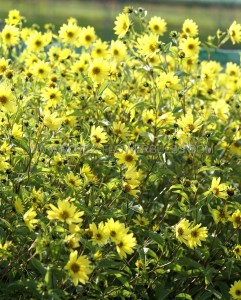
point(186, 261)
point(38, 266)
point(103, 87)
point(229, 266)
point(184, 296)
point(157, 238)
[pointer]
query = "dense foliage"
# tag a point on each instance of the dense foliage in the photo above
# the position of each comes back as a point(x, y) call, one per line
point(120, 162)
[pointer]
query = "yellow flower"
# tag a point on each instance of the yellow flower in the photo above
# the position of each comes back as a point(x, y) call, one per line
point(118, 50)
point(10, 35)
point(6, 98)
point(78, 267)
point(65, 212)
point(18, 205)
point(17, 132)
point(72, 241)
point(122, 25)
point(141, 221)
point(221, 214)
point(169, 81)
point(190, 28)
point(99, 49)
point(126, 156)
point(36, 197)
point(190, 46)
point(125, 245)
point(182, 231)
point(3, 65)
point(99, 235)
point(69, 33)
point(158, 25)
point(217, 189)
point(37, 41)
point(235, 290)
point(234, 32)
point(148, 45)
point(196, 235)
point(236, 219)
point(99, 70)
point(115, 230)
point(51, 121)
point(87, 36)
point(120, 130)
point(73, 181)
point(187, 124)
point(98, 137)
point(29, 220)
point(52, 95)
point(14, 17)
point(237, 251)
point(40, 71)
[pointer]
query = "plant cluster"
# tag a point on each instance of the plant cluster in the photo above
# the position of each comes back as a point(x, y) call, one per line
point(119, 162)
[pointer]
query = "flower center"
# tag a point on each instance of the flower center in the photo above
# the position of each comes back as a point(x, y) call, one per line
point(194, 234)
point(96, 70)
point(129, 158)
point(75, 267)
point(64, 215)
point(3, 99)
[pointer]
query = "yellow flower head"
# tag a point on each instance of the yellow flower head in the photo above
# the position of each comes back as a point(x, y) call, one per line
point(237, 251)
point(98, 137)
point(196, 235)
point(99, 235)
point(234, 32)
point(187, 123)
point(14, 17)
point(235, 290)
point(99, 70)
point(190, 46)
point(218, 189)
point(6, 99)
point(118, 50)
point(190, 28)
point(29, 218)
point(52, 121)
point(236, 219)
point(122, 25)
point(17, 131)
point(125, 245)
point(73, 181)
point(65, 212)
point(87, 36)
point(182, 231)
point(78, 267)
point(148, 45)
point(221, 214)
point(157, 25)
point(10, 35)
point(69, 33)
point(115, 230)
point(126, 156)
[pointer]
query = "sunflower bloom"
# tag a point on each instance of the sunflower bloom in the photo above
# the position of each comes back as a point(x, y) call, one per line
point(125, 245)
point(99, 70)
point(127, 157)
point(78, 267)
point(182, 231)
point(190, 28)
point(122, 25)
point(29, 219)
point(99, 235)
point(234, 32)
point(235, 290)
point(65, 212)
point(237, 251)
point(196, 235)
point(98, 137)
point(236, 219)
point(218, 189)
point(158, 25)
